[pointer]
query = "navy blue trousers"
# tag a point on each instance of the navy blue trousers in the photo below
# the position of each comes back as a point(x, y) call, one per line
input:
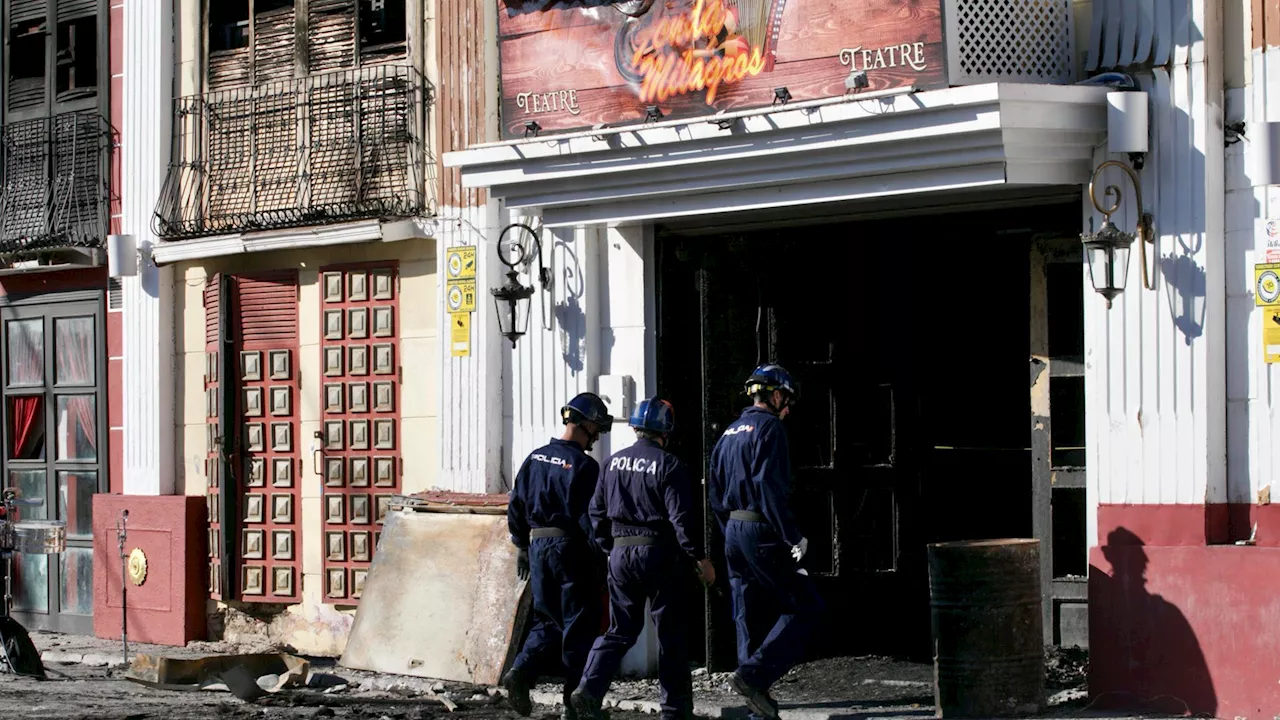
point(774, 607)
point(636, 574)
point(566, 611)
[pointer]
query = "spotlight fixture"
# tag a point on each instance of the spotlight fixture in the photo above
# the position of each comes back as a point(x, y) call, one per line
point(722, 122)
point(781, 96)
point(532, 126)
point(857, 80)
point(653, 113)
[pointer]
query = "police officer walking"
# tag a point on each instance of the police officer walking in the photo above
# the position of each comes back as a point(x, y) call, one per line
point(642, 513)
point(547, 518)
point(775, 604)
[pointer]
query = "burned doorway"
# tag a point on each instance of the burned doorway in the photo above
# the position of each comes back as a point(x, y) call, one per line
point(910, 339)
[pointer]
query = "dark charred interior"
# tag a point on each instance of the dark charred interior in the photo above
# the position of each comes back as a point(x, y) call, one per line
point(910, 337)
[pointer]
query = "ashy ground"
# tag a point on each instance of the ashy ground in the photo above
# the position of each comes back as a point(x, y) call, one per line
point(87, 681)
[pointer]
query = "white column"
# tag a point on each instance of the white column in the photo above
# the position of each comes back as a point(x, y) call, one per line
point(149, 386)
point(471, 388)
point(627, 318)
point(1156, 381)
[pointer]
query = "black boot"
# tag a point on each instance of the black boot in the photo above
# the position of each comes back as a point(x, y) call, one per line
point(759, 701)
point(517, 692)
point(586, 706)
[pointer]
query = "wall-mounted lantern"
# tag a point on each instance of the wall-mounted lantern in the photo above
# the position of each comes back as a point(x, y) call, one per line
point(511, 301)
point(514, 322)
point(1107, 251)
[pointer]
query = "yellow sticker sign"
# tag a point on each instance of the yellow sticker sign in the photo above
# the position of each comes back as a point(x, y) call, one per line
point(460, 334)
point(1271, 334)
point(461, 296)
point(1266, 284)
point(460, 262)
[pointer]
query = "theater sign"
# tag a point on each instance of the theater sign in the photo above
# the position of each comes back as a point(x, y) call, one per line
point(576, 64)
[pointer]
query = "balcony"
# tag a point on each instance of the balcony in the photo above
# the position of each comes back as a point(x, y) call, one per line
point(56, 192)
point(309, 151)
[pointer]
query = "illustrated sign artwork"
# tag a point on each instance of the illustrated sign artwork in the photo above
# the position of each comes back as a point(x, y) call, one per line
point(577, 64)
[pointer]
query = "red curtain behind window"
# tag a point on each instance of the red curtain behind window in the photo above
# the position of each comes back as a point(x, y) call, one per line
point(75, 360)
point(26, 411)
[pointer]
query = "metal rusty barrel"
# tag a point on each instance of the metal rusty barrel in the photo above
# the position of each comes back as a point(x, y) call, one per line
point(987, 629)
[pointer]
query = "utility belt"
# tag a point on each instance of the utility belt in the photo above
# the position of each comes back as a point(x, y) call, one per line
point(547, 532)
point(637, 535)
point(634, 540)
point(748, 516)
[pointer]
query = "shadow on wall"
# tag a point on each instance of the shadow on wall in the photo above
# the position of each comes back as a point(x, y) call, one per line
point(1143, 656)
point(569, 315)
point(1184, 284)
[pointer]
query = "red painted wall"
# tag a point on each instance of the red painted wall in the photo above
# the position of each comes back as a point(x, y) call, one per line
point(169, 607)
point(1177, 625)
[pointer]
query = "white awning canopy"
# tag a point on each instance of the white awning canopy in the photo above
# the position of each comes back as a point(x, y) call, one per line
point(825, 151)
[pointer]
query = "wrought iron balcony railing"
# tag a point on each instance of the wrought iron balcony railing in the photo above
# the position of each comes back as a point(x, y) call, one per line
point(56, 183)
point(308, 151)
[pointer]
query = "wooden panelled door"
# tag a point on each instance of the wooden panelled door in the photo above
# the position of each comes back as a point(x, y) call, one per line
point(253, 443)
point(55, 450)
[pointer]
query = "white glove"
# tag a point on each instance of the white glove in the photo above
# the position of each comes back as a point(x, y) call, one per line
point(799, 551)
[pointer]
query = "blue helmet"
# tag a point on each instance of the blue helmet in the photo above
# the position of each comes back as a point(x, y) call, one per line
point(770, 377)
point(654, 415)
point(587, 407)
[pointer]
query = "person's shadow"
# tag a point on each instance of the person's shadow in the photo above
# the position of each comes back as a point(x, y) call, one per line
point(1143, 654)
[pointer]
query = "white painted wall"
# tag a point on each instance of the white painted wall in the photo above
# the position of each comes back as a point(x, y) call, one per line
point(471, 388)
point(1156, 362)
point(596, 317)
point(1253, 386)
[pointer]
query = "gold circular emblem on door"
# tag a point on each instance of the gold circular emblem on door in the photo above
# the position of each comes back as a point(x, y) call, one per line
point(137, 566)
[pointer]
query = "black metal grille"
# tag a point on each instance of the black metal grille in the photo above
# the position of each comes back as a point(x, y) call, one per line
point(313, 150)
point(56, 191)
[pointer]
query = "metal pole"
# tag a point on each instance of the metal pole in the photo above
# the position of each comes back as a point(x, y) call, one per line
point(8, 585)
point(122, 532)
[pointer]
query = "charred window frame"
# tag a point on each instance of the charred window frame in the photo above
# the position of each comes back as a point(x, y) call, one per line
point(384, 28)
point(228, 25)
point(253, 42)
point(77, 58)
point(54, 56)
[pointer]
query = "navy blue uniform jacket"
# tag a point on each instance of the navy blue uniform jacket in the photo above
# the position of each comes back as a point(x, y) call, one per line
point(553, 489)
point(645, 491)
point(751, 470)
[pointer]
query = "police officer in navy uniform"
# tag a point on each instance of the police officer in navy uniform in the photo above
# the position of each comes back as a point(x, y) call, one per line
point(547, 518)
point(642, 514)
point(775, 603)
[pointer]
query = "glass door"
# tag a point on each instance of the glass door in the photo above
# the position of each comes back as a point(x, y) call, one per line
point(55, 451)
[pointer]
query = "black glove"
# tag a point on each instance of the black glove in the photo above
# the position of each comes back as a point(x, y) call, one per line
point(522, 564)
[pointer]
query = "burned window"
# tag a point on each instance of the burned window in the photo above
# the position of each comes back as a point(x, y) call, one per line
point(382, 25)
point(26, 50)
point(26, 65)
point(53, 51)
point(228, 25)
point(257, 41)
point(77, 58)
point(250, 41)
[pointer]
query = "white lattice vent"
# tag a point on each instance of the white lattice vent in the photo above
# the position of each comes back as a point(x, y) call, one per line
point(1030, 41)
